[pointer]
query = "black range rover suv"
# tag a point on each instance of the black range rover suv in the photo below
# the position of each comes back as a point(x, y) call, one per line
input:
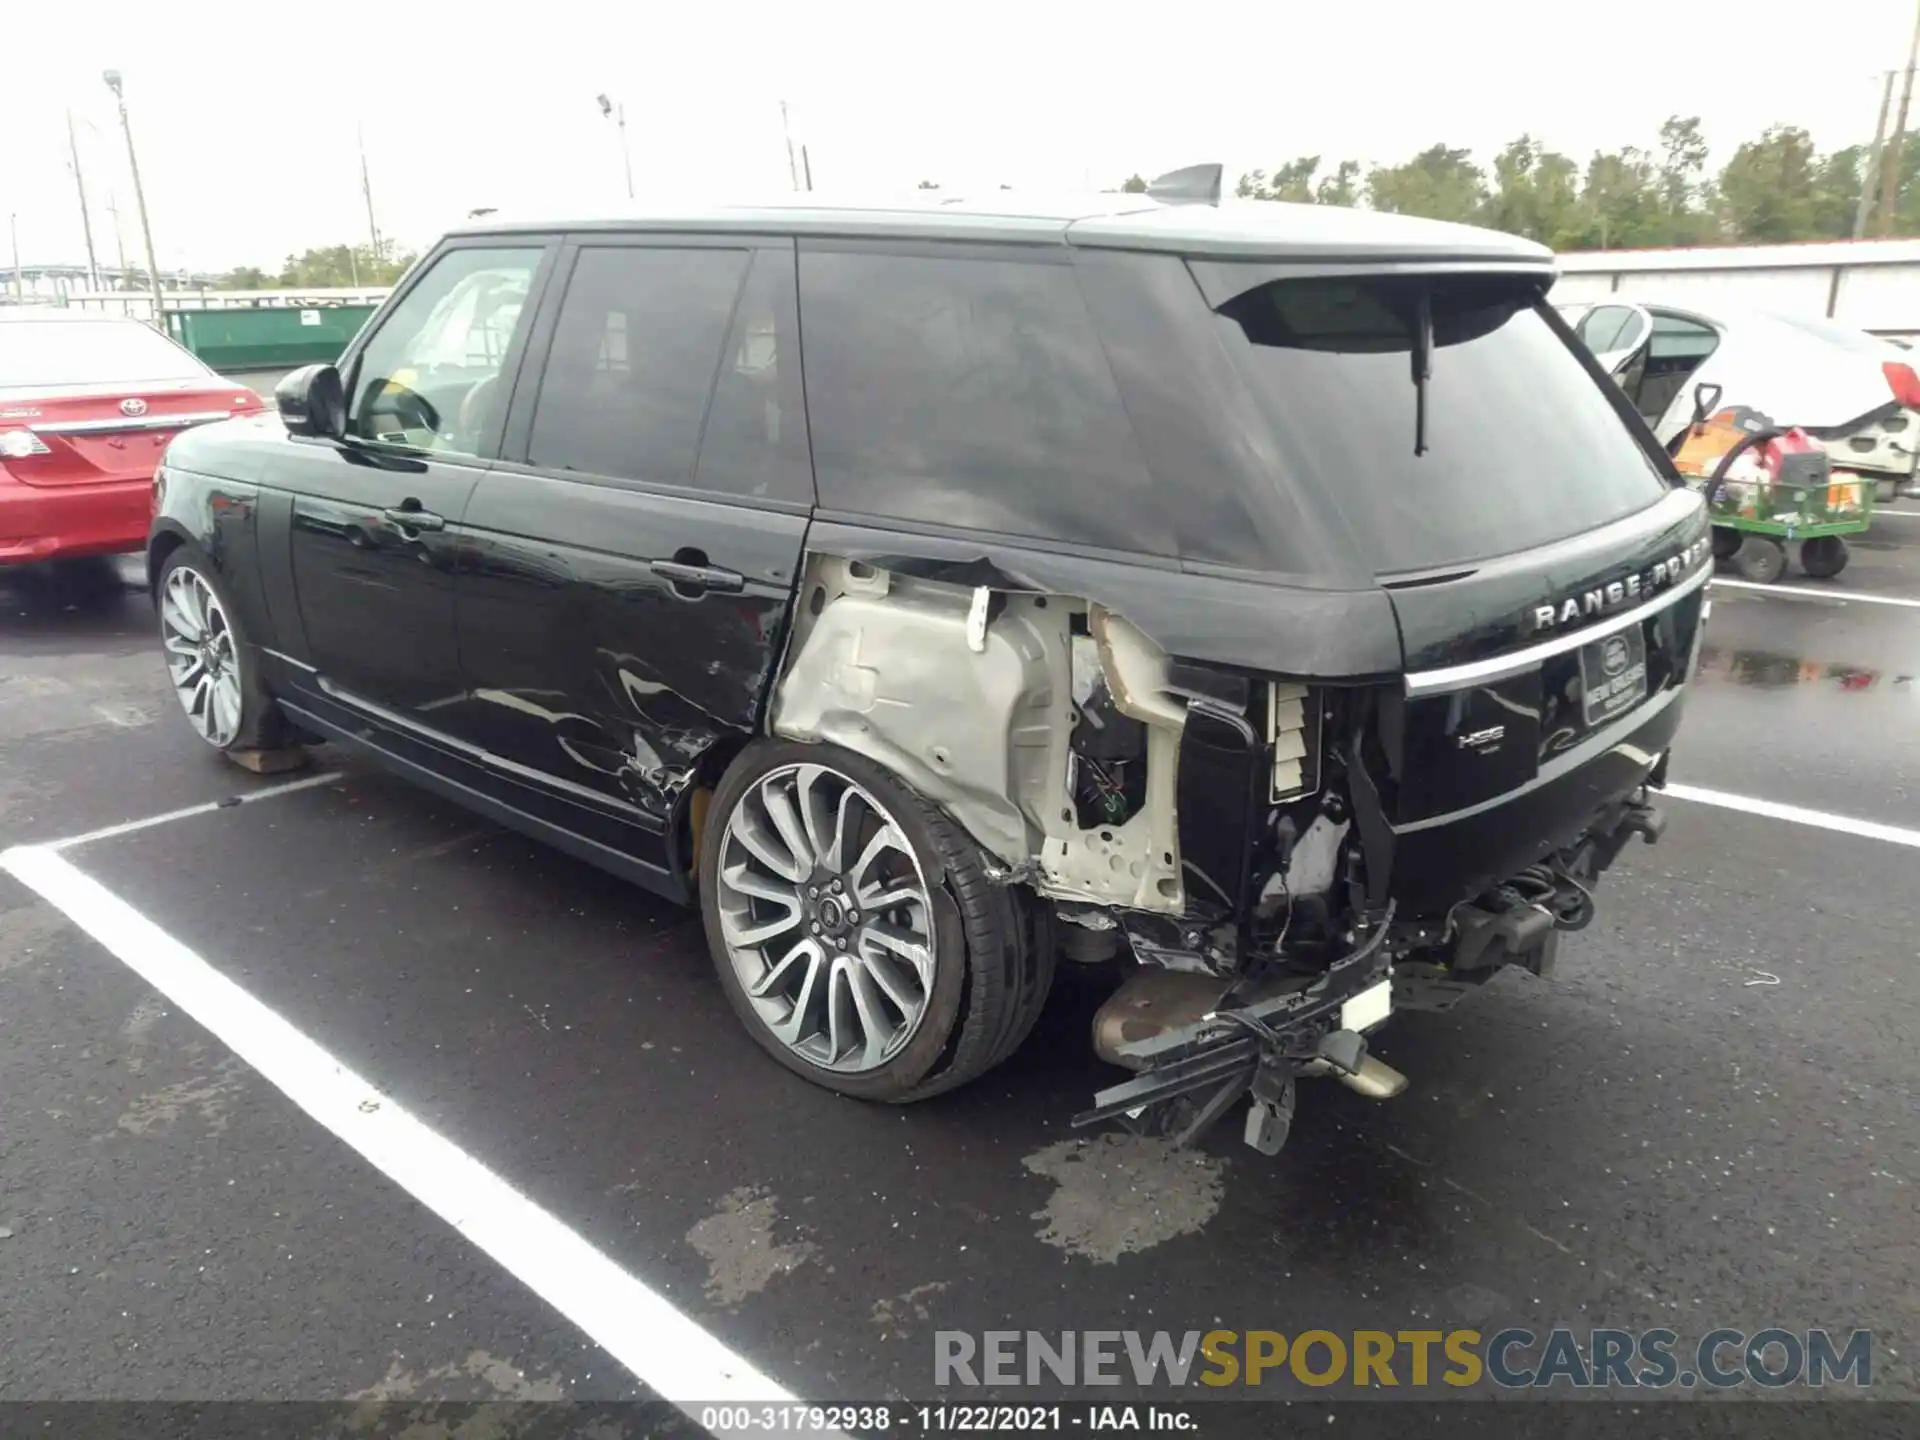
point(1271, 604)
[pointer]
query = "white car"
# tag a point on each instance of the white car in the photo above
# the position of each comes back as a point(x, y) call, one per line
point(1854, 393)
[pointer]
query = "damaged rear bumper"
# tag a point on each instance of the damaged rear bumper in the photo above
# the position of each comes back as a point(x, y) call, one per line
point(1249, 1045)
point(1201, 1042)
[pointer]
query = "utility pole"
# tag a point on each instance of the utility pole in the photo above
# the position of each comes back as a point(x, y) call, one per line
point(1890, 165)
point(366, 189)
point(86, 220)
point(13, 225)
point(1871, 172)
point(807, 166)
point(112, 77)
point(793, 172)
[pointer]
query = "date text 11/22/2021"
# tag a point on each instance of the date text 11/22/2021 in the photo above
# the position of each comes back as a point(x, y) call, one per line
point(728, 1421)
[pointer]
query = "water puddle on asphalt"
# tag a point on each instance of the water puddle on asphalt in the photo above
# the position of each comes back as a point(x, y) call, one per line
point(1120, 1194)
point(1765, 670)
point(737, 1243)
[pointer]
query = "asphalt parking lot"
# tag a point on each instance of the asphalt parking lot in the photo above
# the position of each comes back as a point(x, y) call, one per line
point(1707, 1118)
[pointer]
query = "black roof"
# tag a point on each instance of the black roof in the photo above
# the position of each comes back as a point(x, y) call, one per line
point(1252, 229)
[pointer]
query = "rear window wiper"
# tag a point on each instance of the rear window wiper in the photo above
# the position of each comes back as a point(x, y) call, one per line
point(1422, 367)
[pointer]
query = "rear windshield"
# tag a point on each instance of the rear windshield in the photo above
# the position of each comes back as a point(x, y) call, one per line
point(1521, 445)
point(84, 352)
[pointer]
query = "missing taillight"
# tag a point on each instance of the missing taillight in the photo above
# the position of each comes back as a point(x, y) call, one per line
point(1293, 730)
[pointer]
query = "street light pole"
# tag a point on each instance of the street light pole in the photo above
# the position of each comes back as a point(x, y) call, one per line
point(86, 219)
point(793, 172)
point(618, 114)
point(112, 77)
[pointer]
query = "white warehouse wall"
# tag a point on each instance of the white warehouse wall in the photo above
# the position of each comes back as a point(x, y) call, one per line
point(1871, 284)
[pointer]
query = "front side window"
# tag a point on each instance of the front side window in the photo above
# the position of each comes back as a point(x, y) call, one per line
point(429, 377)
point(1520, 446)
point(967, 392)
point(632, 365)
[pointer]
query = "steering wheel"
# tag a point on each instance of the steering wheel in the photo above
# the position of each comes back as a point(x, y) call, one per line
point(472, 406)
point(398, 400)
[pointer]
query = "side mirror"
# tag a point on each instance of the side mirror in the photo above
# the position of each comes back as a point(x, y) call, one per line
point(1706, 398)
point(312, 401)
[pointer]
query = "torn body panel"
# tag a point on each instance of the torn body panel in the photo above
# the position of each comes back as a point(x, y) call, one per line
point(1246, 833)
point(973, 696)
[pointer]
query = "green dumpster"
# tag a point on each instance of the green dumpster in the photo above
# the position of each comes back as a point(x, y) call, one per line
point(270, 337)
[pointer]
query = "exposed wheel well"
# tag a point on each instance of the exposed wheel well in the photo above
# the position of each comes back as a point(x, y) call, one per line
point(690, 813)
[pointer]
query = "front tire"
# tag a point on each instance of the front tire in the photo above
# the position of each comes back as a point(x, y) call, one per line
point(855, 930)
point(214, 669)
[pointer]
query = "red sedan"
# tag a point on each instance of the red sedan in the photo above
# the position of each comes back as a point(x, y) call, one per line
point(87, 403)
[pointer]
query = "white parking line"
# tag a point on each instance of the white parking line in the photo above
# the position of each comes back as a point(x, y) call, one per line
point(1806, 592)
point(634, 1323)
point(127, 827)
point(1797, 815)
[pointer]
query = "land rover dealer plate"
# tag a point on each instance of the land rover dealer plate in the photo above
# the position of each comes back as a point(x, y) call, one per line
point(1613, 673)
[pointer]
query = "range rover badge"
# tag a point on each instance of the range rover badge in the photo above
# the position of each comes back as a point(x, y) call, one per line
point(1618, 594)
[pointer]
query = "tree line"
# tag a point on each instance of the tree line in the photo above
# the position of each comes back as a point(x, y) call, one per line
point(325, 267)
point(1776, 187)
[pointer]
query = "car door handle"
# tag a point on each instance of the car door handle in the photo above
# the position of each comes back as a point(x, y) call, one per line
point(408, 519)
point(699, 578)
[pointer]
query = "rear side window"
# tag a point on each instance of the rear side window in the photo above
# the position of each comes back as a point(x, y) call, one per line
point(635, 351)
point(1522, 446)
point(966, 392)
point(755, 441)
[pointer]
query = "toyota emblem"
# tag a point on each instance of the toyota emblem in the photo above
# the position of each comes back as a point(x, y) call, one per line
point(1613, 655)
point(133, 407)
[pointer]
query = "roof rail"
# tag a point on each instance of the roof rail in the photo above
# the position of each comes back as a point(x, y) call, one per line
point(1193, 185)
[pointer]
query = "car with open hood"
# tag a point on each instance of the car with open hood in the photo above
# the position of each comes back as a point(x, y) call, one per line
point(1271, 607)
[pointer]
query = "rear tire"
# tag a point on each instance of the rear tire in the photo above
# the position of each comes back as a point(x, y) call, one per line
point(1761, 559)
point(940, 979)
point(213, 666)
point(1824, 556)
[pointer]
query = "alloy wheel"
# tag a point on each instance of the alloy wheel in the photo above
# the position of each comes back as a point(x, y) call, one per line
point(202, 658)
point(826, 917)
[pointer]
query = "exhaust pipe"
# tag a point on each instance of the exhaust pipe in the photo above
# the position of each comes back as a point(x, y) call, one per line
point(1375, 1079)
point(1364, 1074)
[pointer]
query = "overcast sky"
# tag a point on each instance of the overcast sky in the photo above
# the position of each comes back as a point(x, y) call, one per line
point(245, 114)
